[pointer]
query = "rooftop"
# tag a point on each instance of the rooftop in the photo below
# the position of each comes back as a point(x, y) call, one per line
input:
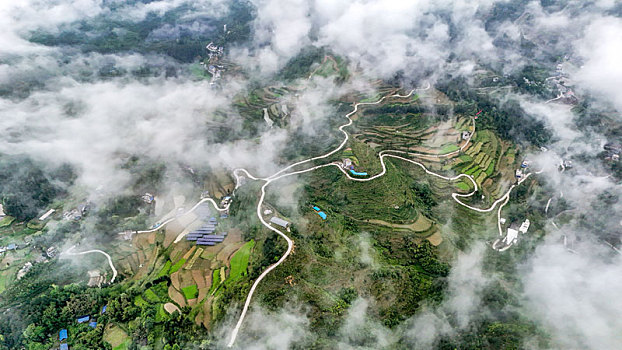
point(279, 221)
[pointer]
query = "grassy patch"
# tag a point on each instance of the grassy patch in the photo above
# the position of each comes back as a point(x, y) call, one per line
point(190, 292)
point(463, 186)
point(35, 225)
point(165, 269)
point(491, 168)
point(465, 158)
point(6, 221)
point(151, 296)
point(117, 338)
point(177, 266)
point(239, 261)
point(161, 315)
point(215, 281)
point(449, 148)
point(140, 302)
point(371, 99)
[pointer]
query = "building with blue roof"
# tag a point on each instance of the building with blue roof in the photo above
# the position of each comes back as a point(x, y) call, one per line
point(322, 215)
point(316, 208)
point(104, 309)
point(84, 319)
point(62, 335)
point(92, 324)
point(64, 346)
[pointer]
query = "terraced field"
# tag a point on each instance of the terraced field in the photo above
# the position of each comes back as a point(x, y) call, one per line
point(490, 161)
point(406, 125)
point(271, 99)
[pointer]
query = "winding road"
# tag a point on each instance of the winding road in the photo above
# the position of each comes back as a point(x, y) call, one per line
point(283, 173)
point(278, 175)
point(114, 271)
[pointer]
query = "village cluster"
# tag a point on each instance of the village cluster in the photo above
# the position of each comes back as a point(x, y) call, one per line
point(562, 83)
point(213, 66)
point(63, 334)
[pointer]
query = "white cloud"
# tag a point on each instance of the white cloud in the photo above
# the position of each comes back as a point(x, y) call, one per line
point(577, 296)
point(601, 47)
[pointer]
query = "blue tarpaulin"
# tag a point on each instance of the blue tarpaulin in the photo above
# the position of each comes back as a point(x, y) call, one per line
point(316, 208)
point(322, 214)
point(104, 309)
point(357, 173)
point(84, 319)
point(62, 335)
point(64, 347)
point(93, 324)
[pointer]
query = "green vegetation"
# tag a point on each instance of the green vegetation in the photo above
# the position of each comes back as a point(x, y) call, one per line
point(464, 186)
point(507, 119)
point(165, 269)
point(117, 338)
point(25, 189)
point(6, 221)
point(300, 66)
point(151, 296)
point(190, 292)
point(449, 148)
point(239, 261)
point(177, 266)
point(140, 302)
point(107, 33)
point(215, 281)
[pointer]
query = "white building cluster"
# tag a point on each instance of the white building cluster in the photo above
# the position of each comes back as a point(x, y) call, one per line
point(511, 236)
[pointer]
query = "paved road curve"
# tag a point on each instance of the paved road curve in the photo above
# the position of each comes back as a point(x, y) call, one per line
point(114, 271)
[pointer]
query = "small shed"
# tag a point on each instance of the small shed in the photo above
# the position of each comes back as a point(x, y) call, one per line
point(62, 335)
point(279, 221)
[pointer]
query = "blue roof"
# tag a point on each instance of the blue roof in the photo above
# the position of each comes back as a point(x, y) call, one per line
point(11, 246)
point(62, 335)
point(357, 173)
point(93, 324)
point(64, 347)
point(316, 208)
point(84, 319)
point(206, 243)
point(104, 308)
point(322, 215)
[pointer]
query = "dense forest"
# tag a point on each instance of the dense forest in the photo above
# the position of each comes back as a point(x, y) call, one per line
point(27, 187)
point(107, 34)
